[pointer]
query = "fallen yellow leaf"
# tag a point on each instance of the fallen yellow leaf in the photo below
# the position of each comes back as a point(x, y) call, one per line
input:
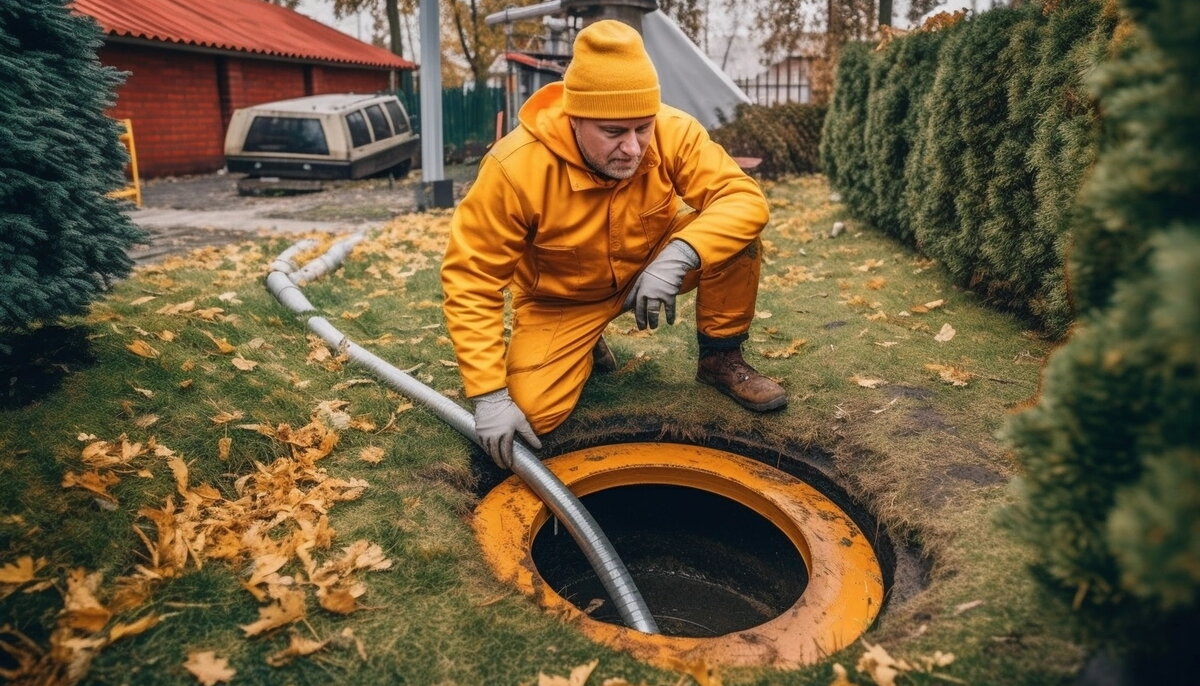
point(178, 308)
point(81, 610)
point(342, 601)
point(290, 608)
point(142, 349)
point(867, 381)
point(22, 571)
point(244, 364)
point(208, 668)
point(945, 334)
point(121, 629)
point(879, 665)
point(223, 346)
point(703, 673)
point(951, 375)
point(223, 446)
point(372, 454)
point(839, 676)
point(224, 417)
point(789, 351)
point(579, 676)
point(298, 646)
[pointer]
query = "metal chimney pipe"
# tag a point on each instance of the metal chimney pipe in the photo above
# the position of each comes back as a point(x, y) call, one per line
point(628, 11)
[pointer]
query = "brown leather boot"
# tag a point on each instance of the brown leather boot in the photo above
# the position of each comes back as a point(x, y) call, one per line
point(603, 360)
point(728, 372)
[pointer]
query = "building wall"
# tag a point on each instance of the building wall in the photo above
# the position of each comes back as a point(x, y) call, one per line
point(173, 100)
point(180, 101)
point(346, 80)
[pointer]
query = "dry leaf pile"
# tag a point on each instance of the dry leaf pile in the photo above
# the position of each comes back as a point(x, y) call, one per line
point(274, 519)
point(883, 669)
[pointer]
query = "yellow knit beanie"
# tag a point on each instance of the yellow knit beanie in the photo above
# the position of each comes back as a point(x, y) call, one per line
point(610, 76)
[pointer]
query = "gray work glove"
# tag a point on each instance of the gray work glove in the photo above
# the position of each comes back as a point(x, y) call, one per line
point(497, 418)
point(659, 283)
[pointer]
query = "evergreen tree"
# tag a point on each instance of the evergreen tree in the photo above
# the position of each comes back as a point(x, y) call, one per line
point(1110, 494)
point(843, 155)
point(61, 239)
point(1064, 147)
point(1004, 192)
point(967, 111)
point(891, 127)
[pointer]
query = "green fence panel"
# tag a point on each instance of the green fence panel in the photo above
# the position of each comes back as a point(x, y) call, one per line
point(468, 117)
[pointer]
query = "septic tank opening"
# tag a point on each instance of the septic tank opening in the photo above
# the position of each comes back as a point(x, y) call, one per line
point(837, 592)
point(705, 564)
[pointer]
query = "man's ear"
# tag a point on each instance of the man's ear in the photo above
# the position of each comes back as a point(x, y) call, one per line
point(574, 123)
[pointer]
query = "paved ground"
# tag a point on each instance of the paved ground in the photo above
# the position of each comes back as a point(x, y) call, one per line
point(182, 213)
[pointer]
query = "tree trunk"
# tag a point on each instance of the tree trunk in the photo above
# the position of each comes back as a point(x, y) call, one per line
point(393, 17)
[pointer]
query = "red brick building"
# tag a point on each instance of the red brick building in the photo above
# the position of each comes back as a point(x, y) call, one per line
point(191, 64)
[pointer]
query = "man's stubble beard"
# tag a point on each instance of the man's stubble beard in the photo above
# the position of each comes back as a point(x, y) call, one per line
point(602, 169)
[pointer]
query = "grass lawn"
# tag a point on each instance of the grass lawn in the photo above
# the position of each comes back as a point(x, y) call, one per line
point(193, 485)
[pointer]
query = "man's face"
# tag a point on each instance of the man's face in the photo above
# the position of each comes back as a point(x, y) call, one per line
point(613, 147)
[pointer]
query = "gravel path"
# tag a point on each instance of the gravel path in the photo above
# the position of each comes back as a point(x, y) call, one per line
point(183, 213)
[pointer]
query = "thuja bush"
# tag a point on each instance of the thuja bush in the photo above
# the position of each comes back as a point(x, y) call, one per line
point(1110, 493)
point(900, 78)
point(975, 137)
point(1074, 40)
point(968, 108)
point(843, 155)
point(61, 239)
point(785, 137)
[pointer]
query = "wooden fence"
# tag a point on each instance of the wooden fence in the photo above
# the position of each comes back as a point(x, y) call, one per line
point(785, 82)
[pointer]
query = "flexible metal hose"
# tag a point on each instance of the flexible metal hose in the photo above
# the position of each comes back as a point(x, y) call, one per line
point(282, 283)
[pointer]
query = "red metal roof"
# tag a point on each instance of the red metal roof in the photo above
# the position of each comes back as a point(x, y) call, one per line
point(531, 61)
point(253, 26)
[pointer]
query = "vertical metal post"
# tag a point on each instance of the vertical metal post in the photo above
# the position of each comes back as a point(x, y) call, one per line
point(432, 168)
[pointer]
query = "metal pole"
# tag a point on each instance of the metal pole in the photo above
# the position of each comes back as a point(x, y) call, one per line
point(432, 166)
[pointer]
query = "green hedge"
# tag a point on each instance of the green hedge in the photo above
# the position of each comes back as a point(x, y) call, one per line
point(784, 136)
point(843, 151)
point(1052, 162)
point(1111, 488)
point(968, 142)
point(61, 239)
point(900, 78)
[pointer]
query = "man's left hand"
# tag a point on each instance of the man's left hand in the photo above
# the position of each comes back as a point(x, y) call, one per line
point(659, 283)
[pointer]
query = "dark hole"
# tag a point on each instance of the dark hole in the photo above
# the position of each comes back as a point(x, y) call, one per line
point(705, 565)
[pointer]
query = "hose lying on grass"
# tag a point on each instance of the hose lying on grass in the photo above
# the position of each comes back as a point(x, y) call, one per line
point(283, 282)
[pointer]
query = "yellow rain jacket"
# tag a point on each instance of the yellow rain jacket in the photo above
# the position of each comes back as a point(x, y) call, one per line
point(539, 221)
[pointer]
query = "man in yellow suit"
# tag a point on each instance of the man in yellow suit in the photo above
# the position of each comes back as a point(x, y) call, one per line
point(602, 201)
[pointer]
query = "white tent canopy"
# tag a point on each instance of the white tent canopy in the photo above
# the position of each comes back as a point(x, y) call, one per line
point(689, 79)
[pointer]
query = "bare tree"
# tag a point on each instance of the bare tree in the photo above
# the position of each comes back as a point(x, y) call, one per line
point(479, 43)
point(690, 15)
point(392, 9)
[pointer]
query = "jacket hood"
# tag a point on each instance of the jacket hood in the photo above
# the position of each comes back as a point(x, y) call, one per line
point(542, 116)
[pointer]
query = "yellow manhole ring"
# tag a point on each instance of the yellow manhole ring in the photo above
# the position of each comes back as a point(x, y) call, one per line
point(845, 585)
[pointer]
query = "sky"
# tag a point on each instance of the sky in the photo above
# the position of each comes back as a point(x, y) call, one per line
point(359, 25)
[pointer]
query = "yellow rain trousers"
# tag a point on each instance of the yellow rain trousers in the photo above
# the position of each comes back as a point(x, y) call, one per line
point(569, 244)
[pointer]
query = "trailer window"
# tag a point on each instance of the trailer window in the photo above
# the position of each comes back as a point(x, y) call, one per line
point(399, 119)
point(379, 123)
point(359, 134)
point(286, 134)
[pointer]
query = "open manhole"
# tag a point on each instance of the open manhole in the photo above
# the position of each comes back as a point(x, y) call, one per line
point(738, 562)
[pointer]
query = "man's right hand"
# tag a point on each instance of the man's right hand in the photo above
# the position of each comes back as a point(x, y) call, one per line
point(497, 420)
